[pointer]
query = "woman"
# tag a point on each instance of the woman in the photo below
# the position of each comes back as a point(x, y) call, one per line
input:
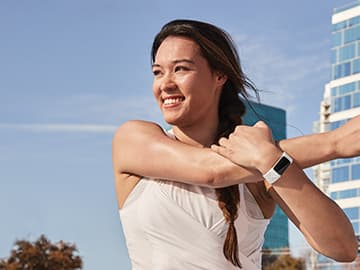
point(200, 196)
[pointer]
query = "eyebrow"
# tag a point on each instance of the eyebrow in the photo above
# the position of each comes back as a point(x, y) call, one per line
point(176, 62)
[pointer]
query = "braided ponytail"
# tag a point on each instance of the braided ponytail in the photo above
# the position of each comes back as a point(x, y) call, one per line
point(231, 109)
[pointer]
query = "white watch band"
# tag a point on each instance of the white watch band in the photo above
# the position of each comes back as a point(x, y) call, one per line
point(278, 168)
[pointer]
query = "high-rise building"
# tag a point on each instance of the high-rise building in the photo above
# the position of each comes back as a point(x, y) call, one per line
point(277, 233)
point(340, 179)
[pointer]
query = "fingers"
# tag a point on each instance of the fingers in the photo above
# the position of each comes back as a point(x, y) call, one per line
point(223, 142)
point(223, 151)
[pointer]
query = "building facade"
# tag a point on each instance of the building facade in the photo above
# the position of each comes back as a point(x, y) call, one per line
point(340, 179)
point(277, 234)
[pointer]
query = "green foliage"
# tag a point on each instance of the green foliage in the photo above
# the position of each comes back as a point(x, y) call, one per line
point(42, 255)
point(285, 262)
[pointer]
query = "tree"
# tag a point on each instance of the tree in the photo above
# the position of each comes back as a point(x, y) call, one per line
point(42, 255)
point(286, 262)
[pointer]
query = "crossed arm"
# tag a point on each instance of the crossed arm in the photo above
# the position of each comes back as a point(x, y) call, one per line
point(301, 200)
point(142, 148)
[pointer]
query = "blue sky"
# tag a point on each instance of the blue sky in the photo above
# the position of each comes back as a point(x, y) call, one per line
point(73, 70)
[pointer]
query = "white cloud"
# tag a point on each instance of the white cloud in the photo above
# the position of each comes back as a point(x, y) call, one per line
point(89, 128)
point(285, 76)
point(107, 112)
point(82, 108)
point(109, 108)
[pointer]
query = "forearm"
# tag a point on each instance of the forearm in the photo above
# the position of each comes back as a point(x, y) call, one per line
point(321, 220)
point(310, 150)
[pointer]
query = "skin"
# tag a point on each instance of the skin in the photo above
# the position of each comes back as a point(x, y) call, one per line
point(184, 77)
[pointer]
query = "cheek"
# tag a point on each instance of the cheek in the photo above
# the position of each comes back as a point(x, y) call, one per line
point(155, 89)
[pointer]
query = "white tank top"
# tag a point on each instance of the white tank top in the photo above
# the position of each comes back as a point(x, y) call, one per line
point(169, 225)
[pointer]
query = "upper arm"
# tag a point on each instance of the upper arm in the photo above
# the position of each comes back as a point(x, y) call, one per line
point(142, 148)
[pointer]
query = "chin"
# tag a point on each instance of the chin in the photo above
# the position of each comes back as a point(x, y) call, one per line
point(174, 121)
point(170, 121)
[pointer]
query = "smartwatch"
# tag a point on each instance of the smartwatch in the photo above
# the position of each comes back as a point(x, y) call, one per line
point(278, 168)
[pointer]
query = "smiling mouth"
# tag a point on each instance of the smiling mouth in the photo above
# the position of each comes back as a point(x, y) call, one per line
point(169, 101)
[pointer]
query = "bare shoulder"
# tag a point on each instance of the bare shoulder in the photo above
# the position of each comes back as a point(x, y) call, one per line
point(133, 127)
point(131, 139)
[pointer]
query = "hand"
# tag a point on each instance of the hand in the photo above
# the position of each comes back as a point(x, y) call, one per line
point(250, 147)
point(347, 139)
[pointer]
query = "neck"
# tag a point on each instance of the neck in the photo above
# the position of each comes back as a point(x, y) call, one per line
point(202, 135)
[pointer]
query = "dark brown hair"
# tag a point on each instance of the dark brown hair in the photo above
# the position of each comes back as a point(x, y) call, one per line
point(218, 49)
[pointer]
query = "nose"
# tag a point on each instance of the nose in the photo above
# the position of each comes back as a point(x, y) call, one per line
point(167, 83)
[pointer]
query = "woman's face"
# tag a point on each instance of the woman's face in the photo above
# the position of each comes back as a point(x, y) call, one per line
point(185, 87)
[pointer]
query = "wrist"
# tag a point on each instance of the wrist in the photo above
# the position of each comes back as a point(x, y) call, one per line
point(332, 139)
point(279, 167)
point(267, 160)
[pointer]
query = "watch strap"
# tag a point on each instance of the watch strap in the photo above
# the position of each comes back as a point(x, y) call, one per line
point(278, 168)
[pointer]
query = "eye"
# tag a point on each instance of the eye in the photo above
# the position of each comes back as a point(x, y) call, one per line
point(181, 68)
point(156, 72)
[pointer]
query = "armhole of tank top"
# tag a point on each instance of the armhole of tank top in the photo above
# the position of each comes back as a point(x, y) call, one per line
point(134, 193)
point(244, 205)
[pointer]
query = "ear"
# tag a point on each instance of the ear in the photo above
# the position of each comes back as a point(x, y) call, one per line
point(221, 78)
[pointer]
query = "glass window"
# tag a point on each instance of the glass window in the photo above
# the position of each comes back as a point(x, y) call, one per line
point(342, 70)
point(355, 172)
point(352, 34)
point(346, 88)
point(356, 66)
point(346, 52)
point(345, 69)
point(342, 161)
point(347, 193)
point(336, 105)
point(340, 174)
point(352, 213)
point(336, 39)
point(339, 25)
point(335, 125)
point(334, 195)
point(336, 72)
point(334, 91)
point(356, 100)
point(333, 56)
point(341, 103)
point(352, 21)
point(346, 102)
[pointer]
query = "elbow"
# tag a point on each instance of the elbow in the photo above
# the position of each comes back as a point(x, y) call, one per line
point(214, 178)
point(347, 250)
point(350, 251)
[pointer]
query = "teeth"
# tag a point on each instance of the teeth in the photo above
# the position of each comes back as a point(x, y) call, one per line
point(172, 101)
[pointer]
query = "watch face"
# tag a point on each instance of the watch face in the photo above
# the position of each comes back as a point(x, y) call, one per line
point(281, 166)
